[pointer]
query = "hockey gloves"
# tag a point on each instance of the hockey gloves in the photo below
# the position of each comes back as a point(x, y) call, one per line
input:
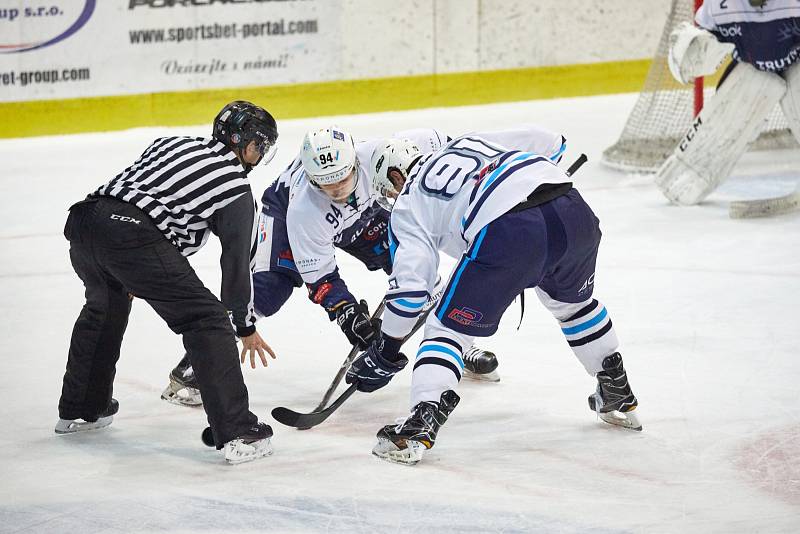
point(371, 370)
point(353, 318)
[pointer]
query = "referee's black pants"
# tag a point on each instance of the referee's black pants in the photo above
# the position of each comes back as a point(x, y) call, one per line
point(116, 249)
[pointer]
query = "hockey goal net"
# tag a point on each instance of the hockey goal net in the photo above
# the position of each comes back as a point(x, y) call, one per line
point(664, 111)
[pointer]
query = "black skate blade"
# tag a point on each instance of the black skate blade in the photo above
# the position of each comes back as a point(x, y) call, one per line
point(304, 421)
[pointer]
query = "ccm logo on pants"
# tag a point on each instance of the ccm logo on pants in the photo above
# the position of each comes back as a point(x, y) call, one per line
point(123, 218)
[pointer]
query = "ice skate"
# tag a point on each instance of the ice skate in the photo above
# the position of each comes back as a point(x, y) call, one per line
point(182, 389)
point(254, 444)
point(480, 365)
point(70, 426)
point(614, 401)
point(406, 442)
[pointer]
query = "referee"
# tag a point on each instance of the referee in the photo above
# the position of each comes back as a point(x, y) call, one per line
point(131, 238)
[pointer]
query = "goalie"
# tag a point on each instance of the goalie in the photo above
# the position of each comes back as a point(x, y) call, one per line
point(763, 37)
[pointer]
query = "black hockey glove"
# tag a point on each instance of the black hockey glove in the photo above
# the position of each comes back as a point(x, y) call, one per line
point(371, 371)
point(353, 319)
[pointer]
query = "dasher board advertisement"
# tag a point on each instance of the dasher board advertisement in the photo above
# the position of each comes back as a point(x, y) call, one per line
point(54, 49)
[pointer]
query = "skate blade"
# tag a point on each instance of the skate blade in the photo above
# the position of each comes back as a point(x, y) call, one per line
point(238, 452)
point(70, 426)
point(628, 420)
point(385, 449)
point(182, 396)
point(494, 376)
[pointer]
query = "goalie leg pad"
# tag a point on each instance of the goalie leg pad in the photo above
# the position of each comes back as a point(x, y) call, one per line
point(720, 134)
point(790, 103)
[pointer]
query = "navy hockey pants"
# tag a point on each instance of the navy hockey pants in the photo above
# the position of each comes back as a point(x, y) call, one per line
point(552, 246)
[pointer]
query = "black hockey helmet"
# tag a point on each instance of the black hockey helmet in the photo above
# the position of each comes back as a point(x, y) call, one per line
point(240, 122)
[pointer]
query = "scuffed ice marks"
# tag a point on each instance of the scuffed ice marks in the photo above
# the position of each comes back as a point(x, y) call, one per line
point(276, 514)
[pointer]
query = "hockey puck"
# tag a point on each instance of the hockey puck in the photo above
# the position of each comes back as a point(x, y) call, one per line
point(208, 437)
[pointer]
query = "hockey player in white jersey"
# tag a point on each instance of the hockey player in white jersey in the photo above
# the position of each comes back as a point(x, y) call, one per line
point(764, 38)
point(515, 221)
point(324, 200)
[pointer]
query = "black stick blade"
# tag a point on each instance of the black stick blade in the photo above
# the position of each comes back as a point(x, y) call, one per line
point(288, 417)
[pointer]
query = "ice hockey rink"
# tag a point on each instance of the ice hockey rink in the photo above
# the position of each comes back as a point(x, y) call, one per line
point(705, 308)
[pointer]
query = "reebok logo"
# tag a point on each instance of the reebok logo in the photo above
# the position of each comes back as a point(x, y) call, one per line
point(124, 218)
point(730, 31)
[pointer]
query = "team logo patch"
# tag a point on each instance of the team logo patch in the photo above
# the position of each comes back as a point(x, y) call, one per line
point(337, 135)
point(320, 293)
point(486, 170)
point(285, 259)
point(465, 316)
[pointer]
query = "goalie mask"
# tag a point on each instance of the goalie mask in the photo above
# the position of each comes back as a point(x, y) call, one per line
point(397, 154)
point(241, 122)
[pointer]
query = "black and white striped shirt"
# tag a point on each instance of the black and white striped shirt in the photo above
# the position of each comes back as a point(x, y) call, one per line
point(185, 184)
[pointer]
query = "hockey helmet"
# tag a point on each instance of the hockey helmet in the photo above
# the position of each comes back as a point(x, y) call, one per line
point(328, 156)
point(398, 154)
point(241, 122)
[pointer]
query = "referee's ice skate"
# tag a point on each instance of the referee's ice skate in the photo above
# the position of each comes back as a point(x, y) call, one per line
point(182, 389)
point(614, 401)
point(253, 444)
point(69, 426)
point(405, 442)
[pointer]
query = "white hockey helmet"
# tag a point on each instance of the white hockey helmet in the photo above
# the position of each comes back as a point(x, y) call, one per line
point(328, 155)
point(397, 154)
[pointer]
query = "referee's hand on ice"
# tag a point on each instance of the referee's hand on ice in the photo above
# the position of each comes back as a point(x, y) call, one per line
point(253, 344)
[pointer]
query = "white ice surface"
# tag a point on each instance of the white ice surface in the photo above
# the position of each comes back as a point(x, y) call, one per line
point(705, 307)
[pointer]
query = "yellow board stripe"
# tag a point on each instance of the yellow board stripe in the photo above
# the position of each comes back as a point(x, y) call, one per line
point(50, 117)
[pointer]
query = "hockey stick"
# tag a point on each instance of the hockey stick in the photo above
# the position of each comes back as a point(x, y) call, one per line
point(307, 420)
point(345, 365)
point(577, 164)
point(748, 209)
point(208, 438)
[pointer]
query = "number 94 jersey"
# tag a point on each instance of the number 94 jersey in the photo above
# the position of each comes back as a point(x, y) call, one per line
point(316, 225)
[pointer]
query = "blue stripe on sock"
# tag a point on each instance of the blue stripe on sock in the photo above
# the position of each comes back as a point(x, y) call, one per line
point(439, 348)
point(587, 325)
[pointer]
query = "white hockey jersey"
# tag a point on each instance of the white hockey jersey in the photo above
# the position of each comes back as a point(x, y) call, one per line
point(315, 223)
point(767, 37)
point(450, 196)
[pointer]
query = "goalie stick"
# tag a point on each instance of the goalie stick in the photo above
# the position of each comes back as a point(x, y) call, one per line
point(748, 209)
point(307, 420)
